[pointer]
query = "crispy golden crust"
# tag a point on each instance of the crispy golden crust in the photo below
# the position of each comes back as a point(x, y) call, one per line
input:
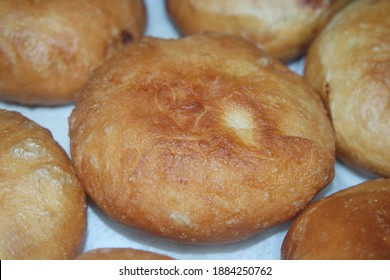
point(42, 205)
point(120, 254)
point(206, 140)
point(349, 66)
point(283, 28)
point(49, 48)
point(351, 224)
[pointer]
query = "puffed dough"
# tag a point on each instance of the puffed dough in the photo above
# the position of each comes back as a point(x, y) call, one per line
point(42, 206)
point(349, 66)
point(202, 139)
point(283, 28)
point(48, 48)
point(350, 224)
point(120, 254)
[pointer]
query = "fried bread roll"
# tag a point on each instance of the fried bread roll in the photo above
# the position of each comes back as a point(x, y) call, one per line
point(48, 48)
point(120, 254)
point(43, 207)
point(351, 224)
point(349, 66)
point(283, 28)
point(203, 139)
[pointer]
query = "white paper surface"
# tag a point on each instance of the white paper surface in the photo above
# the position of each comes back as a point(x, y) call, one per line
point(104, 232)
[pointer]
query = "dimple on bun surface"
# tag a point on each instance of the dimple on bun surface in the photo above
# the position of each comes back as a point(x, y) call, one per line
point(283, 28)
point(49, 48)
point(202, 139)
point(120, 254)
point(350, 224)
point(349, 66)
point(43, 207)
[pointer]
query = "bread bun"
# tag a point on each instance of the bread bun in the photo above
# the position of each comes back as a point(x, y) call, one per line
point(349, 66)
point(120, 254)
point(49, 48)
point(207, 140)
point(283, 28)
point(43, 206)
point(351, 224)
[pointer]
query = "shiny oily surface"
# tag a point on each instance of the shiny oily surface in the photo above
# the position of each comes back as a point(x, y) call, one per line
point(208, 140)
point(49, 48)
point(42, 205)
point(351, 224)
point(282, 28)
point(349, 66)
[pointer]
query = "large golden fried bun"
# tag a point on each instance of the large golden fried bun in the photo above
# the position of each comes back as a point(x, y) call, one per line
point(201, 139)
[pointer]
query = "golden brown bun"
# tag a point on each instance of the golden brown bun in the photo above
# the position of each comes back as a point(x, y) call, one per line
point(207, 140)
point(349, 66)
point(49, 48)
point(43, 207)
point(283, 28)
point(120, 254)
point(351, 224)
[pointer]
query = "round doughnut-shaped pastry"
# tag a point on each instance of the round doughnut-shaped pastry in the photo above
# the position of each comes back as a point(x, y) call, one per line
point(202, 139)
point(349, 66)
point(351, 224)
point(48, 48)
point(43, 207)
point(283, 28)
point(120, 254)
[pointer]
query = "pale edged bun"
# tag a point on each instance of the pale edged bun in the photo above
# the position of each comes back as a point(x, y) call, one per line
point(43, 206)
point(120, 254)
point(207, 140)
point(49, 48)
point(349, 66)
point(351, 224)
point(283, 28)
